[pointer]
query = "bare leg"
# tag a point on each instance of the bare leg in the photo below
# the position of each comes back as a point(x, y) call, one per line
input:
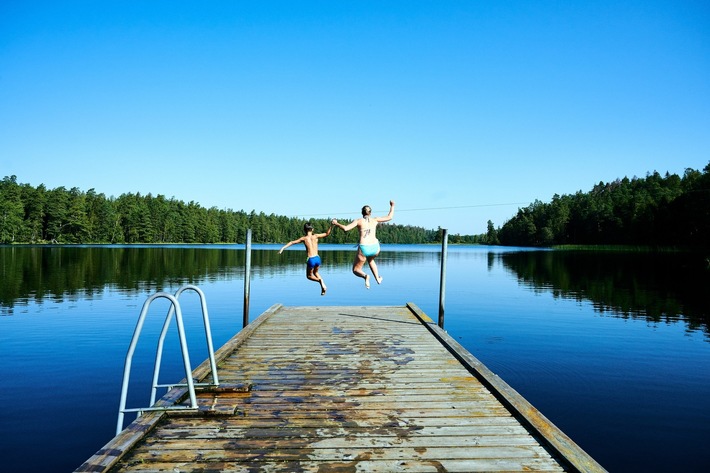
point(312, 274)
point(320, 280)
point(373, 268)
point(357, 268)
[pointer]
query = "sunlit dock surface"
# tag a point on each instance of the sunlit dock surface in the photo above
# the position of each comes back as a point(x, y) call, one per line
point(344, 389)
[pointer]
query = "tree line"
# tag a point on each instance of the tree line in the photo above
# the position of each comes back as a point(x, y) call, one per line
point(656, 210)
point(39, 215)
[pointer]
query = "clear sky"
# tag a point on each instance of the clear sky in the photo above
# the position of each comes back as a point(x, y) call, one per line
point(460, 111)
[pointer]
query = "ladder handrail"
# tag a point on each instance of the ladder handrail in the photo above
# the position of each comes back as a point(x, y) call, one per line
point(175, 308)
point(208, 336)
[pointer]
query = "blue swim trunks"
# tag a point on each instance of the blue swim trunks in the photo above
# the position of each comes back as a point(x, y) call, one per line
point(370, 250)
point(313, 261)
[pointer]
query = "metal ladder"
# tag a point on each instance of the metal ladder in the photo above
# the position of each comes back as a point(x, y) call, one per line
point(177, 311)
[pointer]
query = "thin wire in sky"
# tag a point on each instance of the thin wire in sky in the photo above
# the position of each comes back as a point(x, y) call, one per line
point(423, 209)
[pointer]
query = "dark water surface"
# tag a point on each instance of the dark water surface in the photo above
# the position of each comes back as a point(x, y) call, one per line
point(613, 347)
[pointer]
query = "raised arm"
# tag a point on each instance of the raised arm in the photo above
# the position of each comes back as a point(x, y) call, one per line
point(323, 235)
point(389, 216)
point(345, 228)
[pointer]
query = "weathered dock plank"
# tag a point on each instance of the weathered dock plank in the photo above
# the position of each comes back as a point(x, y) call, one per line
point(345, 389)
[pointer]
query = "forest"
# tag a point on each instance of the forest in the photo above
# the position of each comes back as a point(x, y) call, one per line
point(656, 210)
point(37, 215)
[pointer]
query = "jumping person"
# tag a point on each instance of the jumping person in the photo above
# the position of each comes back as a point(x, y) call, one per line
point(368, 247)
point(310, 241)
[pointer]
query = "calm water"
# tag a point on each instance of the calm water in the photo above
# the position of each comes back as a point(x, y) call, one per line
point(614, 348)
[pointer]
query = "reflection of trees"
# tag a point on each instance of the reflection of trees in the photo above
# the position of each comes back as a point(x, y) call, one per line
point(660, 287)
point(57, 272)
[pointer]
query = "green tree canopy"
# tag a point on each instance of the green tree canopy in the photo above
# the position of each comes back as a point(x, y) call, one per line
point(655, 211)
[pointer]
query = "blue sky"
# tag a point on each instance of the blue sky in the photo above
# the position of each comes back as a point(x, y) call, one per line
point(460, 111)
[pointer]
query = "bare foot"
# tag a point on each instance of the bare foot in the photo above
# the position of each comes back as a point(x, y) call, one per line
point(379, 280)
point(367, 281)
point(322, 292)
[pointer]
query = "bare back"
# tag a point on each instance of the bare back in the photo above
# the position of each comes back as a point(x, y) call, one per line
point(311, 244)
point(367, 225)
point(368, 229)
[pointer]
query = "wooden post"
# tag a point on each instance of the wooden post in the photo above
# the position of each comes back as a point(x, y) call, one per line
point(247, 278)
point(442, 283)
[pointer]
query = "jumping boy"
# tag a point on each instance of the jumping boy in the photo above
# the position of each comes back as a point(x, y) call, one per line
point(310, 241)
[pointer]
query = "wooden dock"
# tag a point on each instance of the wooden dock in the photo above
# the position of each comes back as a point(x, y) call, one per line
point(344, 389)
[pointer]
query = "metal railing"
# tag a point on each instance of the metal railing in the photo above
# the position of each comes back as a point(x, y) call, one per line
point(190, 384)
point(208, 336)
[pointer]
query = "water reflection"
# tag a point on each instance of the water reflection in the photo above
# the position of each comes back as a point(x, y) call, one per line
point(37, 273)
point(626, 391)
point(659, 287)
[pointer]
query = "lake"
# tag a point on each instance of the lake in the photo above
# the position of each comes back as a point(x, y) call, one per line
point(613, 347)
